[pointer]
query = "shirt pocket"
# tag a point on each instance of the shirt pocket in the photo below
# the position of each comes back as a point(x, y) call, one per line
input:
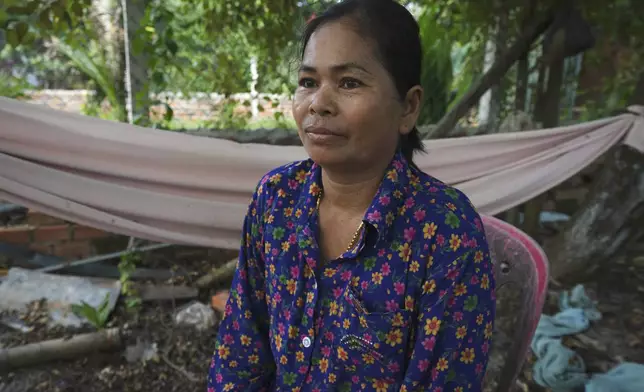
point(371, 346)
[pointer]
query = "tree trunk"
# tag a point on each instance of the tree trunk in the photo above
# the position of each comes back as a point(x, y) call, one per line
point(109, 21)
point(547, 113)
point(523, 69)
point(520, 97)
point(611, 215)
point(497, 93)
point(139, 62)
point(493, 75)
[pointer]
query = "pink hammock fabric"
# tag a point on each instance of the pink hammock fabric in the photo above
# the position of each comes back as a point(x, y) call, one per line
point(172, 187)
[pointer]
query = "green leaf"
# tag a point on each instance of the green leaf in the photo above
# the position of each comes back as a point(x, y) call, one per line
point(169, 113)
point(289, 378)
point(58, 10)
point(172, 47)
point(12, 38)
point(451, 193)
point(370, 263)
point(278, 233)
point(94, 68)
point(158, 78)
point(45, 20)
point(77, 9)
point(21, 29)
point(470, 303)
point(452, 220)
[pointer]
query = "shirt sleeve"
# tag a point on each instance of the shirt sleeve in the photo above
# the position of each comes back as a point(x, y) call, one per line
point(243, 359)
point(456, 311)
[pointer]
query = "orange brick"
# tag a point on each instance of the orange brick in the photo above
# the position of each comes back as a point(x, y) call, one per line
point(218, 301)
point(86, 233)
point(17, 234)
point(52, 233)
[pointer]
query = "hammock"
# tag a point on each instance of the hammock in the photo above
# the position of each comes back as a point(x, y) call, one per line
point(183, 189)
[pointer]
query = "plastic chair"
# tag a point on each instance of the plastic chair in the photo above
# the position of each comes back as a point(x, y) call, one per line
point(520, 260)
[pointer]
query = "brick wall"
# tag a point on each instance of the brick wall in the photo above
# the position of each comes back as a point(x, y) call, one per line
point(52, 236)
point(197, 107)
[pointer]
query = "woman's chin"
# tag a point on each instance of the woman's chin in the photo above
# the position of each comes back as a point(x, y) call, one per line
point(326, 156)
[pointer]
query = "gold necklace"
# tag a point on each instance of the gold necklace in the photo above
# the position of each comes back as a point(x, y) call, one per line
point(356, 235)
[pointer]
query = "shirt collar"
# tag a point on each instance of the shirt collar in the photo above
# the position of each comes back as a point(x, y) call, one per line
point(389, 201)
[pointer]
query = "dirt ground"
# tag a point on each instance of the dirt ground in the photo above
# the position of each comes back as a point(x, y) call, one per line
point(184, 353)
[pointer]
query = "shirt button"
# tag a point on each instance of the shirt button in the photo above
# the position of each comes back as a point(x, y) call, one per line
point(306, 342)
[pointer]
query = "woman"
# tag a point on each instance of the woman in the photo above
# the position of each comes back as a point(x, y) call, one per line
point(358, 272)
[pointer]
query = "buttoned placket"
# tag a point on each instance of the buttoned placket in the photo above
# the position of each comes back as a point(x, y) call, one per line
point(308, 335)
point(308, 338)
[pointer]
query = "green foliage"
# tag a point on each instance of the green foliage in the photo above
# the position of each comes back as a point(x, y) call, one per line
point(621, 27)
point(96, 316)
point(12, 87)
point(436, 76)
point(268, 24)
point(22, 21)
point(126, 268)
point(228, 118)
point(91, 61)
point(206, 46)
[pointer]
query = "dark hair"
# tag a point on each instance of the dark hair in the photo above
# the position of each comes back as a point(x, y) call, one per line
point(396, 36)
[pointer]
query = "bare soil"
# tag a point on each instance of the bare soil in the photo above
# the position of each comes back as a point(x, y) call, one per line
point(184, 353)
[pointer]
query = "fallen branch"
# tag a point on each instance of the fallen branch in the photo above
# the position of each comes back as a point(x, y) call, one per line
point(218, 276)
point(59, 349)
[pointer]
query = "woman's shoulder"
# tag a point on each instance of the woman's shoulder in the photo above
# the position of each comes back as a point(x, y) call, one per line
point(286, 180)
point(449, 207)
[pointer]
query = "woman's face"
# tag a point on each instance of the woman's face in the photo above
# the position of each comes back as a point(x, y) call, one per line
point(346, 106)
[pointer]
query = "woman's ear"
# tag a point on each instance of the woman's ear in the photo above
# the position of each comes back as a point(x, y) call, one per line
point(411, 110)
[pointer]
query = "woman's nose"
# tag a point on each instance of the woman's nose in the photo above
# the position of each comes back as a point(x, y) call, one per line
point(323, 102)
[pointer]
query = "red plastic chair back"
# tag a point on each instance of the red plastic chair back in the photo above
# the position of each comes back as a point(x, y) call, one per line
point(519, 260)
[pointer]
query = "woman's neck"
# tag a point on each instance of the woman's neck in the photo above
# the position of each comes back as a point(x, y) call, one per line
point(351, 191)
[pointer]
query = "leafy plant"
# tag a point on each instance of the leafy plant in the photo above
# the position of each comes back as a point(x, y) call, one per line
point(228, 118)
point(12, 87)
point(437, 74)
point(93, 64)
point(126, 268)
point(96, 316)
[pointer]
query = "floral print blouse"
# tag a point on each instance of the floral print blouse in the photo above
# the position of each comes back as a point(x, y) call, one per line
point(409, 308)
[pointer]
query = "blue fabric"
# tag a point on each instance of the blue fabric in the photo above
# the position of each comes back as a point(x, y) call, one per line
point(409, 307)
point(561, 369)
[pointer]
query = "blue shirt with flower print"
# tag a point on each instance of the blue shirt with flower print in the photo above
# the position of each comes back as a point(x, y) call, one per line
point(409, 308)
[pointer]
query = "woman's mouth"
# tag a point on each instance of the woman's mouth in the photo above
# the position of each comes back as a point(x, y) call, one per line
point(322, 135)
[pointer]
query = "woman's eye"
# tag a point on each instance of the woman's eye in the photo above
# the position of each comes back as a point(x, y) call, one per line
point(350, 83)
point(307, 83)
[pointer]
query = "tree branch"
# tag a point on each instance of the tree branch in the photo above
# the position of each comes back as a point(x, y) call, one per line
point(493, 75)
